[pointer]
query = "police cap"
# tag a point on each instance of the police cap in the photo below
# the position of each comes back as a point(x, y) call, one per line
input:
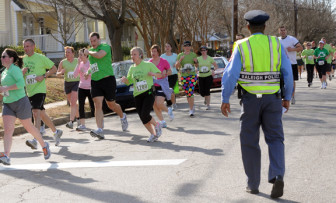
point(256, 17)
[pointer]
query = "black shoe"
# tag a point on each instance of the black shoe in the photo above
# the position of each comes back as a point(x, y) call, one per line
point(278, 185)
point(249, 190)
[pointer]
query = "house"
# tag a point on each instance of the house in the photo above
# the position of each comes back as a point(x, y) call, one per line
point(215, 41)
point(23, 19)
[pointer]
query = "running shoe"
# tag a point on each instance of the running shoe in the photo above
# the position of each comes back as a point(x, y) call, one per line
point(4, 159)
point(46, 151)
point(325, 85)
point(170, 113)
point(69, 125)
point(293, 100)
point(32, 143)
point(97, 133)
point(124, 123)
point(158, 129)
point(174, 106)
point(330, 78)
point(191, 114)
point(208, 107)
point(163, 124)
point(42, 129)
point(57, 136)
point(152, 138)
point(81, 128)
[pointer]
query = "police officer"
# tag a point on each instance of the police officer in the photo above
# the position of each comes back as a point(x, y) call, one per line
point(258, 62)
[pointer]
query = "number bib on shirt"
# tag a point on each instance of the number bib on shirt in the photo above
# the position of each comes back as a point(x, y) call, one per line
point(187, 67)
point(30, 79)
point(94, 68)
point(321, 63)
point(71, 75)
point(141, 86)
point(310, 57)
point(204, 69)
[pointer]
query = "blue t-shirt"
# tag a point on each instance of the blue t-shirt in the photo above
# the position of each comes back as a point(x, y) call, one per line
point(171, 60)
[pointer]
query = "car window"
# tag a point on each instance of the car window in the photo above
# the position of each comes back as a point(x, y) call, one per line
point(220, 63)
point(121, 69)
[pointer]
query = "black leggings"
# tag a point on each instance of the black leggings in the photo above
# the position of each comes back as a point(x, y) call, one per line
point(310, 72)
point(144, 104)
point(82, 94)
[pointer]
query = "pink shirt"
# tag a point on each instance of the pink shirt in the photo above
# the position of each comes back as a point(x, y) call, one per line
point(163, 65)
point(81, 69)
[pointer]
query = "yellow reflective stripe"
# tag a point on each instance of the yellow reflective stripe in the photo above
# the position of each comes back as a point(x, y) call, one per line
point(264, 91)
point(250, 55)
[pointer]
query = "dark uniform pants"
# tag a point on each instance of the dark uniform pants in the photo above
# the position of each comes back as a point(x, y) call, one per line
point(267, 113)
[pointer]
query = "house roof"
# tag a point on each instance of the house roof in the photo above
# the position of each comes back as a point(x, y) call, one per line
point(21, 6)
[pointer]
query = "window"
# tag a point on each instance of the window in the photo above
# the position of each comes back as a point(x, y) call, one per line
point(28, 25)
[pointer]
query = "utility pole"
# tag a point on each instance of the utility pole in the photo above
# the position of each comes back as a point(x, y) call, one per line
point(295, 18)
point(234, 19)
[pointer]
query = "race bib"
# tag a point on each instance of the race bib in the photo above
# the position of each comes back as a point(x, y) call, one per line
point(30, 79)
point(71, 75)
point(204, 69)
point(310, 57)
point(141, 86)
point(6, 94)
point(94, 68)
point(321, 63)
point(187, 68)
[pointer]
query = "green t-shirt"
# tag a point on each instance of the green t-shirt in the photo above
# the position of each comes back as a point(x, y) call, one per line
point(37, 65)
point(138, 76)
point(100, 68)
point(321, 53)
point(309, 53)
point(187, 64)
point(9, 77)
point(69, 70)
point(330, 51)
point(204, 66)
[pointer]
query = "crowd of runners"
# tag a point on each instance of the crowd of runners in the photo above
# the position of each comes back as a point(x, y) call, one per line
point(23, 84)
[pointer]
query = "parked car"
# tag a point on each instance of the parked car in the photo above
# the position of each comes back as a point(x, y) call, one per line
point(124, 93)
point(217, 78)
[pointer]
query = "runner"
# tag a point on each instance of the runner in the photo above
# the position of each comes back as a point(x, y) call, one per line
point(205, 75)
point(299, 63)
point(66, 67)
point(84, 88)
point(141, 76)
point(16, 104)
point(315, 70)
point(291, 45)
point(35, 74)
point(186, 61)
point(308, 56)
point(103, 83)
point(173, 78)
point(162, 90)
point(331, 51)
point(321, 56)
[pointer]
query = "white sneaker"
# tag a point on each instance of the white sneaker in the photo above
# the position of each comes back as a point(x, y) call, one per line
point(69, 125)
point(124, 123)
point(4, 159)
point(152, 138)
point(163, 124)
point(158, 129)
point(208, 107)
point(32, 143)
point(42, 130)
point(97, 133)
point(174, 106)
point(58, 135)
point(81, 128)
point(170, 113)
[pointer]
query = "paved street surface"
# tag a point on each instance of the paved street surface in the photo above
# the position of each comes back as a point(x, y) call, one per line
point(196, 159)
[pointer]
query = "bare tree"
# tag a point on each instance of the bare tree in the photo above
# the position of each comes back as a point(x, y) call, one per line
point(112, 13)
point(66, 22)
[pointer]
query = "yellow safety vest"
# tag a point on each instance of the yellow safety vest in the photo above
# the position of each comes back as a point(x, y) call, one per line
point(261, 60)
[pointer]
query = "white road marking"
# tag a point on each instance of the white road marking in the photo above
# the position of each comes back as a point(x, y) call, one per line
point(47, 166)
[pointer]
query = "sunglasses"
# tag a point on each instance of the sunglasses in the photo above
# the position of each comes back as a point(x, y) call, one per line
point(203, 50)
point(187, 45)
point(4, 56)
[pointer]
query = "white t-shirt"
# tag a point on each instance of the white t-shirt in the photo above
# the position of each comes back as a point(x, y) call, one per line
point(290, 41)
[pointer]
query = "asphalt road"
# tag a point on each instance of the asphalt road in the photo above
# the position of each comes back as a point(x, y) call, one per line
point(196, 159)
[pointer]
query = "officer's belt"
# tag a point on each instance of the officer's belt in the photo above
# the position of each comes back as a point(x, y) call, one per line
point(278, 94)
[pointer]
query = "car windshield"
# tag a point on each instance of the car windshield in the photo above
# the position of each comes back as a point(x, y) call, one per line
point(121, 69)
point(220, 63)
